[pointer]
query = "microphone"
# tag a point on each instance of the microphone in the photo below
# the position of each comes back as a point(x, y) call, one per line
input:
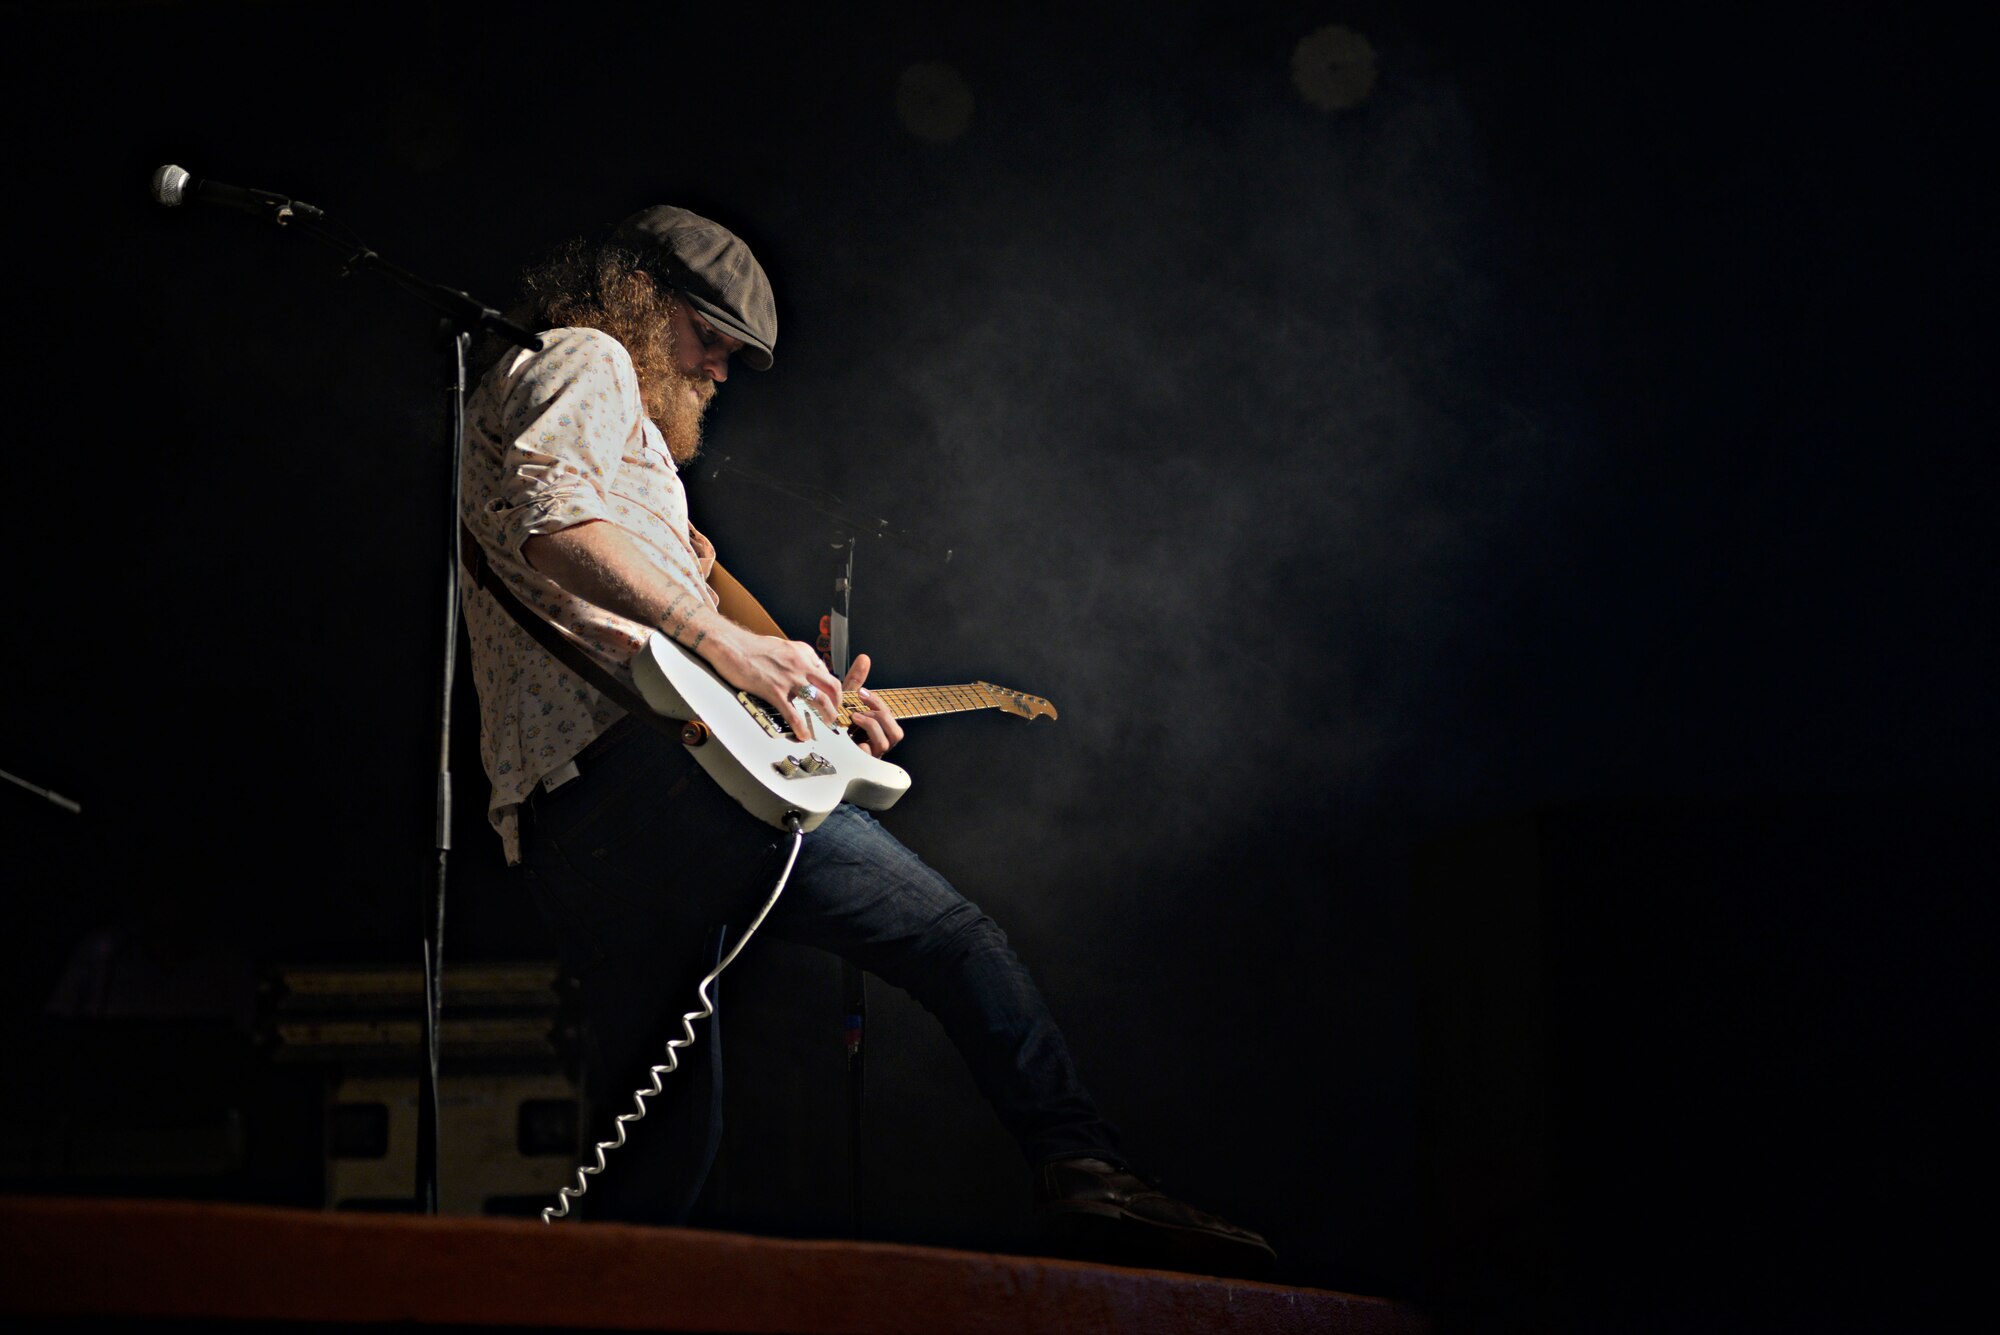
point(173, 185)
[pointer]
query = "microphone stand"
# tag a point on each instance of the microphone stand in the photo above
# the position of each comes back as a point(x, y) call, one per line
point(847, 530)
point(461, 316)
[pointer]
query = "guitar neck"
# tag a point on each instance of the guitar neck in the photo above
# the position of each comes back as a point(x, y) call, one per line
point(923, 701)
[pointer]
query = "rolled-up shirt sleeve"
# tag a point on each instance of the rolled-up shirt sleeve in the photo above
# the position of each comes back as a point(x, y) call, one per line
point(566, 421)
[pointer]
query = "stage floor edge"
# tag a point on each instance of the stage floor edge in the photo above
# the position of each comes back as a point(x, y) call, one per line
point(67, 1257)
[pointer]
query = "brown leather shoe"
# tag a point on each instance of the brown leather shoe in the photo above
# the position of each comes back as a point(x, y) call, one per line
point(1097, 1211)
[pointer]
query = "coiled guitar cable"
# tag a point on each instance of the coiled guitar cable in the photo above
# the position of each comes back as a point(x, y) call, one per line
point(585, 1172)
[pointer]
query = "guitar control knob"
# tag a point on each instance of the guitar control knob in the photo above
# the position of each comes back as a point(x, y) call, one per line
point(786, 766)
point(694, 732)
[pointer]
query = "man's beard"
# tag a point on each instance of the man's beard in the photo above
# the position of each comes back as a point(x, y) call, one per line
point(678, 414)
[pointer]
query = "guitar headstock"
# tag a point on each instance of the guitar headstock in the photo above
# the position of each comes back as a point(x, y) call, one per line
point(1017, 702)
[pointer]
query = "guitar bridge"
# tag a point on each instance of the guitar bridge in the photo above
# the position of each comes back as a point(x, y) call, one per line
point(762, 715)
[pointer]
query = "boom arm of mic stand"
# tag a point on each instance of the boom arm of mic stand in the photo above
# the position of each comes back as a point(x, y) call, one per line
point(827, 505)
point(460, 308)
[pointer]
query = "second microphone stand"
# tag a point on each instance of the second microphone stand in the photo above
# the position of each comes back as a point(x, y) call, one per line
point(853, 982)
point(848, 529)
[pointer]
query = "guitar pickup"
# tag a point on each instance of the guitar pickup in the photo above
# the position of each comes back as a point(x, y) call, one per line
point(803, 767)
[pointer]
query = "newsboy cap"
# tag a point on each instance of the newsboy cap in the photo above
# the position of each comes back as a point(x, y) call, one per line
point(710, 266)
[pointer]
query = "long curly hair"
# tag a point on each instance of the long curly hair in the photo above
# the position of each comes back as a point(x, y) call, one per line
point(590, 286)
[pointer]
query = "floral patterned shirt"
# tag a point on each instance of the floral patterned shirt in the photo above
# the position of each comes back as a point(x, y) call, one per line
point(555, 438)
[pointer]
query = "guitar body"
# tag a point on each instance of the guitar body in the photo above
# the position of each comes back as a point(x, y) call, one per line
point(749, 752)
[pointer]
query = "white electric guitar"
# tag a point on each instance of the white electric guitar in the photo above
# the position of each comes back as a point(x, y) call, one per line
point(744, 745)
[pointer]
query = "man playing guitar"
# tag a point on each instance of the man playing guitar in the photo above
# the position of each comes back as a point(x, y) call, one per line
point(573, 497)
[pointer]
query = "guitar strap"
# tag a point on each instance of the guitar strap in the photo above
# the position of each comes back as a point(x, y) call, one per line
point(737, 604)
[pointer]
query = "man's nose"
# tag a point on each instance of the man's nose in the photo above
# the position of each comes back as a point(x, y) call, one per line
point(717, 362)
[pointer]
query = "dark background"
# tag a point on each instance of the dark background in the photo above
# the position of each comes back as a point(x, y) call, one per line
point(1505, 553)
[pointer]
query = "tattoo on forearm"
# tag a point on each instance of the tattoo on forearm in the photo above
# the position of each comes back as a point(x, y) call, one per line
point(679, 613)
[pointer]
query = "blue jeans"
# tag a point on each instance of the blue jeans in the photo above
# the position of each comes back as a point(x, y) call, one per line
point(637, 865)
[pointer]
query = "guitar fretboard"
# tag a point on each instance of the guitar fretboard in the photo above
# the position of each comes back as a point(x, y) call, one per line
point(922, 701)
